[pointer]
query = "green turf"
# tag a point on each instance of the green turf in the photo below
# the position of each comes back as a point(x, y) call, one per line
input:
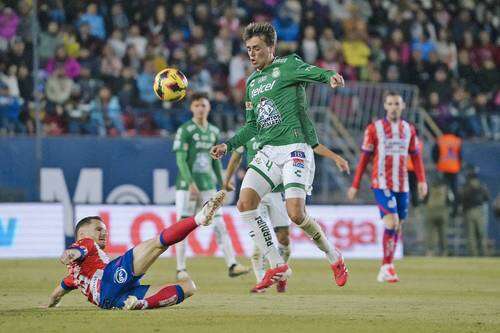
point(434, 295)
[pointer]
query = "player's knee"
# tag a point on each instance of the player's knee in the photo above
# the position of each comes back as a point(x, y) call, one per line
point(188, 287)
point(391, 221)
point(246, 204)
point(296, 214)
point(283, 235)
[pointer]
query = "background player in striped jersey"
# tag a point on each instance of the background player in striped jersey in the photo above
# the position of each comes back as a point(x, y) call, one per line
point(197, 178)
point(116, 284)
point(387, 143)
point(272, 207)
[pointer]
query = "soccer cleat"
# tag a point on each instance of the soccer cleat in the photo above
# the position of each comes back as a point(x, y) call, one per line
point(273, 275)
point(340, 272)
point(182, 275)
point(207, 212)
point(281, 286)
point(237, 270)
point(387, 273)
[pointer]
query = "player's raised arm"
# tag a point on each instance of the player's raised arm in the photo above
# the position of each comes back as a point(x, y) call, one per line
point(301, 71)
point(234, 163)
point(70, 255)
point(341, 163)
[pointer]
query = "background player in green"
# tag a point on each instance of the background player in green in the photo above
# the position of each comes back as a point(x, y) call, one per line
point(196, 180)
point(276, 108)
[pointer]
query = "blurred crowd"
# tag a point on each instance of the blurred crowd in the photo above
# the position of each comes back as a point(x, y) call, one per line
point(98, 59)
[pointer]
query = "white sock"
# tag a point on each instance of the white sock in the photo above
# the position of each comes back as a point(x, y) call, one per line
point(224, 241)
point(261, 234)
point(317, 235)
point(284, 251)
point(257, 263)
point(180, 253)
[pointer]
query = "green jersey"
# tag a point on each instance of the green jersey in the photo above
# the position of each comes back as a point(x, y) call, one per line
point(276, 104)
point(192, 149)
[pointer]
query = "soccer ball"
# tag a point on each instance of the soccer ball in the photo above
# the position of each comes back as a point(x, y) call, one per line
point(170, 85)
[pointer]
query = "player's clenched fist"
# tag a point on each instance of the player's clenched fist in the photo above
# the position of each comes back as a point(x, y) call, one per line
point(218, 151)
point(69, 256)
point(337, 81)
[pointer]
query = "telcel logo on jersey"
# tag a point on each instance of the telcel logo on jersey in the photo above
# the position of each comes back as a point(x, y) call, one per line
point(262, 89)
point(121, 275)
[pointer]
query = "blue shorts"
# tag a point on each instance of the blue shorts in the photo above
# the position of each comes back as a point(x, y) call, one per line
point(390, 202)
point(118, 282)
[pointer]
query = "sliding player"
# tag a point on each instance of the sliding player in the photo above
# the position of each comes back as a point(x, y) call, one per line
point(116, 284)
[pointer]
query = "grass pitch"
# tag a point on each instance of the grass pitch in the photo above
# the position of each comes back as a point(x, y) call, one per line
point(434, 295)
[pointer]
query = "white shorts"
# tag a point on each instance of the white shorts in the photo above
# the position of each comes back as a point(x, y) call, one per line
point(272, 208)
point(293, 165)
point(185, 206)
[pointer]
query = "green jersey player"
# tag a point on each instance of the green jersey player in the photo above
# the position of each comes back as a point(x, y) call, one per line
point(276, 113)
point(272, 208)
point(197, 178)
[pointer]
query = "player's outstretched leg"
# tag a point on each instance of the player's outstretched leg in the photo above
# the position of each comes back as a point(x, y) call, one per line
point(387, 272)
point(296, 212)
point(161, 296)
point(147, 252)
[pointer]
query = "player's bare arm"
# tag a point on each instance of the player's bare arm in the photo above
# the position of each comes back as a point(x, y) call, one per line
point(422, 190)
point(341, 163)
point(56, 296)
point(233, 165)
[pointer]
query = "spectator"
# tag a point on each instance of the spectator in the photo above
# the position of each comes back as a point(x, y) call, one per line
point(287, 29)
point(230, 22)
point(58, 86)
point(70, 42)
point(137, 40)
point(95, 21)
point(25, 83)
point(118, 17)
point(106, 115)
point(466, 72)
point(144, 81)
point(309, 46)
point(10, 109)
point(356, 53)
point(88, 85)
point(424, 44)
point(474, 196)
point(111, 65)
point(19, 55)
point(55, 120)
point(461, 107)
point(447, 50)
point(49, 41)
point(117, 43)
point(327, 41)
point(8, 25)
point(87, 40)
point(61, 59)
point(158, 23)
point(10, 80)
point(223, 46)
point(402, 47)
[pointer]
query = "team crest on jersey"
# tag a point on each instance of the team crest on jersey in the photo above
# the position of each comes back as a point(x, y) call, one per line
point(268, 113)
point(248, 105)
point(120, 275)
point(276, 72)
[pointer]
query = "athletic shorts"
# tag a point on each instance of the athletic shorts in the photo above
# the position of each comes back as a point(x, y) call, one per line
point(390, 202)
point(118, 282)
point(185, 206)
point(293, 165)
point(272, 208)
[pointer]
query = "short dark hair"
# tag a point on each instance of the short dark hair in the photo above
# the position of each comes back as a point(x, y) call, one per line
point(263, 30)
point(85, 221)
point(197, 95)
point(392, 93)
